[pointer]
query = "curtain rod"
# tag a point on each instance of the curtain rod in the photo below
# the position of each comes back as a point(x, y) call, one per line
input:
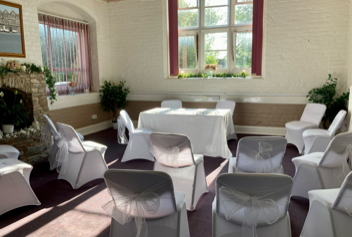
point(44, 13)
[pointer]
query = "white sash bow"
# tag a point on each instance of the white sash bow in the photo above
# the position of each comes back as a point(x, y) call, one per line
point(166, 155)
point(62, 155)
point(121, 129)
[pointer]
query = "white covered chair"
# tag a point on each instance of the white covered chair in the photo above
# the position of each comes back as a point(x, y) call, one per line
point(261, 154)
point(79, 162)
point(146, 208)
point(173, 155)
point(311, 118)
point(15, 189)
point(7, 151)
point(56, 137)
point(330, 212)
point(317, 140)
point(323, 170)
point(252, 205)
point(171, 104)
point(139, 143)
point(228, 104)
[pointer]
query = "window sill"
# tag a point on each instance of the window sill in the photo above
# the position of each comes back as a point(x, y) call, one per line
point(67, 101)
point(219, 78)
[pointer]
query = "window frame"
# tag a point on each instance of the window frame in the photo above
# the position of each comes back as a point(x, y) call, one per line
point(231, 29)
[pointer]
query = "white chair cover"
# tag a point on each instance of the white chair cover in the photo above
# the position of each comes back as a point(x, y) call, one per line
point(171, 104)
point(311, 118)
point(139, 143)
point(252, 205)
point(152, 205)
point(15, 189)
point(7, 151)
point(173, 155)
point(330, 212)
point(317, 140)
point(320, 170)
point(228, 104)
point(79, 162)
point(261, 154)
point(50, 127)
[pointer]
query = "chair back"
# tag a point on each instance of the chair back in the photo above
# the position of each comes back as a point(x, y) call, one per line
point(240, 196)
point(343, 202)
point(127, 121)
point(337, 122)
point(171, 104)
point(50, 125)
point(261, 154)
point(339, 148)
point(226, 104)
point(123, 184)
point(313, 113)
point(172, 150)
point(69, 134)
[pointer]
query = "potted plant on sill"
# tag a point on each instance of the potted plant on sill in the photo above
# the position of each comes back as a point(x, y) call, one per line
point(113, 98)
point(14, 115)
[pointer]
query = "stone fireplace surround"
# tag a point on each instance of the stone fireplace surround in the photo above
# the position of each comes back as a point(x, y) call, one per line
point(33, 89)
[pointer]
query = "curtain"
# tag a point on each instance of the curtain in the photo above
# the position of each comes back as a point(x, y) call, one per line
point(65, 50)
point(257, 44)
point(173, 37)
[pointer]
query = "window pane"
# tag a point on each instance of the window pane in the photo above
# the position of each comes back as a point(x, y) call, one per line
point(244, 50)
point(187, 3)
point(216, 2)
point(216, 41)
point(187, 52)
point(244, 14)
point(216, 16)
point(244, 0)
point(216, 57)
point(188, 18)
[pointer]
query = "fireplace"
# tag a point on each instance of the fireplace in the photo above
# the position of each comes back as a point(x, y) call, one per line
point(32, 89)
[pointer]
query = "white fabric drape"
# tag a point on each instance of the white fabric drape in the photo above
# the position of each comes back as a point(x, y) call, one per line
point(62, 155)
point(121, 131)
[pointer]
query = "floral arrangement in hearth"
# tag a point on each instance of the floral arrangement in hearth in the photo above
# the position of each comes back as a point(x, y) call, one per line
point(211, 67)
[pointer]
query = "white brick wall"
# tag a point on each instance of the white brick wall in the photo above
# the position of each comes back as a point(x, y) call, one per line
point(304, 41)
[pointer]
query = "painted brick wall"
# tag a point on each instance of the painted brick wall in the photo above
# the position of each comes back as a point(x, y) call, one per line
point(304, 41)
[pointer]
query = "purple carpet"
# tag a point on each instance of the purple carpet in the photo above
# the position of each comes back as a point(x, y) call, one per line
point(68, 212)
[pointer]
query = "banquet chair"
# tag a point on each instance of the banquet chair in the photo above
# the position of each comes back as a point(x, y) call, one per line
point(173, 155)
point(79, 162)
point(157, 210)
point(261, 154)
point(317, 140)
point(15, 189)
point(7, 151)
point(139, 142)
point(171, 104)
point(56, 137)
point(228, 104)
point(330, 212)
point(248, 205)
point(311, 118)
point(323, 170)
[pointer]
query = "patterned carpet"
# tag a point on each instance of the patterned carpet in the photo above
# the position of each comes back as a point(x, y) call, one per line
point(67, 212)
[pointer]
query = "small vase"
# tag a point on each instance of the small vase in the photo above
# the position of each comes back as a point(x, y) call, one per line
point(210, 74)
point(71, 91)
point(23, 68)
point(115, 125)
point(8, 128)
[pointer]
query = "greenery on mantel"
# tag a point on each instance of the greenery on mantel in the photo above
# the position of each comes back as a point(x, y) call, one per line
point(217, 75)
point(31, 68)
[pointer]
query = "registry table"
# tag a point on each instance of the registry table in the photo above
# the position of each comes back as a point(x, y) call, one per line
point(206, 128)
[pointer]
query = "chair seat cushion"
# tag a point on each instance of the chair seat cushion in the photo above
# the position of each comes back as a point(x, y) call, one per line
point(9, 165)
point(198, 158)
point(316, 133)
point(326, 195)
point(89, 146)
point(7, 151)
point(313, 158)
point(298, 125)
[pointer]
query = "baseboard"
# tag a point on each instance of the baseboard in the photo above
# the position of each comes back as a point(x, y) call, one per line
point(95, 128)
point(281, 131)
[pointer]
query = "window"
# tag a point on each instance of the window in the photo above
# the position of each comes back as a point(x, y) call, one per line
point(65, 51)
point(215, 32)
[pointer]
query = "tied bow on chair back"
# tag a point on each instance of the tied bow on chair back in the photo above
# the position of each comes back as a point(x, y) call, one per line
point(121, 131)
point(127, 206)
point(166, 155)
point(255, 208)
point(62, 154)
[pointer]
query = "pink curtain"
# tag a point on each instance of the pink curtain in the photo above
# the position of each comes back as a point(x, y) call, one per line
point(173, 37)
point(65, 50)
point(257, 44)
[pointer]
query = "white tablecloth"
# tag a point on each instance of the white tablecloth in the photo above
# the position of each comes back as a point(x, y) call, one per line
point(7, 151)
point(206, 128)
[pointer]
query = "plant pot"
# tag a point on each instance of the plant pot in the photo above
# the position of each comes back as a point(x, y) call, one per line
point(115, 125)
point(8, 128)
